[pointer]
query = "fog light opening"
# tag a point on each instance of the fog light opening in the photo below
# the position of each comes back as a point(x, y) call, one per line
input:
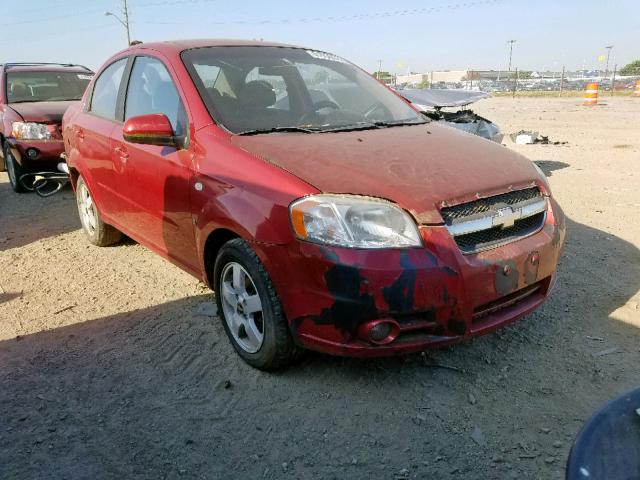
point(32, 153)
point(380, 332)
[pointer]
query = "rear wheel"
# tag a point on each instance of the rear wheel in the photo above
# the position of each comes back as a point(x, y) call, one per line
point(98, 232)
point(3, 165)
point(250, 308)
point(14, 170)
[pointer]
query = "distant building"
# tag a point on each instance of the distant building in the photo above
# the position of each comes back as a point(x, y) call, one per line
point(449, 76)
point(413, 79)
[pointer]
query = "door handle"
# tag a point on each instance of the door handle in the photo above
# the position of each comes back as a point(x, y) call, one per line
point(122, 153)
point(79, 134)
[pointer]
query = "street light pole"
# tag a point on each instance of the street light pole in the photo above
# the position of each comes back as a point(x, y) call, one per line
point(606, 71)
point(125, 22)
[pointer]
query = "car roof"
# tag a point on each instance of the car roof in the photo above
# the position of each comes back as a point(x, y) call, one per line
point(45, 67)
point(177, 46)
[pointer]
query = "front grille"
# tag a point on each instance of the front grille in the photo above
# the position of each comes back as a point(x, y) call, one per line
point(476, 241)
point(493, 221)
point(486, 204)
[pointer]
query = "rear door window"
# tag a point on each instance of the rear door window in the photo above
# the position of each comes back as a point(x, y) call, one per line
point(105, 92)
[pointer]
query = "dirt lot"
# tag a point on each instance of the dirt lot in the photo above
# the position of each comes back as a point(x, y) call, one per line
point(108, 371)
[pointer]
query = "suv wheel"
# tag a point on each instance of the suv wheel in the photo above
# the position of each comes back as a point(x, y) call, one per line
point(14, 170)
point(250, 308)
point(98, 232)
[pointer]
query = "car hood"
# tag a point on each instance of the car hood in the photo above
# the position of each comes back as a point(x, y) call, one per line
point(419, 167)
point(45, 112)
point(435, 98)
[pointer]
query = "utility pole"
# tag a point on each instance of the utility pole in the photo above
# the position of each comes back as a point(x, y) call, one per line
point(125, 8)
point(606, 71)
point(510, 42)
point(125, 22)
point(562, 82)
point(379, 69)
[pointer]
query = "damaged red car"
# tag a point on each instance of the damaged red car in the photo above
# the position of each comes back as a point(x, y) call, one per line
point(33, 98)
point(324, 211)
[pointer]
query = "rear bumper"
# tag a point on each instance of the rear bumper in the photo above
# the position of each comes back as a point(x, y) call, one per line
point(47, 153)
point(436, 295)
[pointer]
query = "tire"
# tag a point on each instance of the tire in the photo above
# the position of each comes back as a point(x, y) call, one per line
point(3, 166)
point(98, 232)
point(14, 170)
point(276, 348)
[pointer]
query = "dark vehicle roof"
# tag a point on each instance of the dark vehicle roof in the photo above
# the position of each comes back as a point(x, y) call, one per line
point(45, 67)
point(177, 46)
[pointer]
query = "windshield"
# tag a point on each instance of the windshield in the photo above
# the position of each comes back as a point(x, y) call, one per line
point(46, 86)
point(255, 89)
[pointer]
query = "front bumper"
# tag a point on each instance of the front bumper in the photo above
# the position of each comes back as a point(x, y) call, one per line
point(47, 153)
point(436, 295)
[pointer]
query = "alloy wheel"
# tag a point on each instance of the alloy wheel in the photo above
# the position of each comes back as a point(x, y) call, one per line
point(87, 209)
point(242, 307)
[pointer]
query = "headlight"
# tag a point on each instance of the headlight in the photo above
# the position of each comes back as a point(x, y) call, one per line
point(352, 221)
point(31, 131)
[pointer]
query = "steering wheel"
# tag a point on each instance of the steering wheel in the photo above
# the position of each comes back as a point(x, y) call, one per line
point(320, 105)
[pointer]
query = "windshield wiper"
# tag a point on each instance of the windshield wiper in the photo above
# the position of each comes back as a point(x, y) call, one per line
point(400, 123)
point(259, 131)
point(351, 128)
point(373, 125)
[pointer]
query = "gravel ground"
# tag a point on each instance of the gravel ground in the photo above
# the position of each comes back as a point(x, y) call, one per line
point(107, 370)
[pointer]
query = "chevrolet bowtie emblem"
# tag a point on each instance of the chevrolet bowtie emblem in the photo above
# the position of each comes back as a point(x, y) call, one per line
point(505, 217)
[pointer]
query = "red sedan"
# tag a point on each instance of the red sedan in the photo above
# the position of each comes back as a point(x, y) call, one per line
point(33, 98)
point(323, 210)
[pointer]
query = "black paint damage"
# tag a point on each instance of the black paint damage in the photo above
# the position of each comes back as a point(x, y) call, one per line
point(399, 295)
point(354, 303)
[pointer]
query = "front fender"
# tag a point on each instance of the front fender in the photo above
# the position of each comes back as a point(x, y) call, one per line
point(251, 216)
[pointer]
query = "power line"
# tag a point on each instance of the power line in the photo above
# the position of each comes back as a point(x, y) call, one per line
point(49, 18)
point(338, 18)
point(173, 2)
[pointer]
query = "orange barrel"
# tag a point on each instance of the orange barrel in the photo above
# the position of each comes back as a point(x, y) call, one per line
point(591, 94)
point(636, 92)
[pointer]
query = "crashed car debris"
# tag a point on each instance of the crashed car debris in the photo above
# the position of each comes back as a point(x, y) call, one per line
point(45, 184)
point(431, 102)
point(527, 137)
point(323, 210)
point(33, 98)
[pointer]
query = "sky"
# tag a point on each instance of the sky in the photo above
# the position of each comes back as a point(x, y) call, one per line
point(410, 35)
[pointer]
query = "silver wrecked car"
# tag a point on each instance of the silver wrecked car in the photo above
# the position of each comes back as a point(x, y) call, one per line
point(432, 103)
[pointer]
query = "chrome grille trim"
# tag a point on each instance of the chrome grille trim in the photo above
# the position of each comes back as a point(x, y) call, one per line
point(494, 221)
point(497, 218)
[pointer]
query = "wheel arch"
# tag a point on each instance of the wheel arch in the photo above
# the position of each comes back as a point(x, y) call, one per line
point(212, 245)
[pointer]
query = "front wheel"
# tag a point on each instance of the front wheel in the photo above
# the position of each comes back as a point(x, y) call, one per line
point(250, 308)
point(98, 232)
point(14, 170)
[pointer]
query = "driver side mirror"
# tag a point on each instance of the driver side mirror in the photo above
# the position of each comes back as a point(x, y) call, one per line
point(151, 129)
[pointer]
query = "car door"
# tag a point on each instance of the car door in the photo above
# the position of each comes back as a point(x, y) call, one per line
point(92, 131)
point(158, 177)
